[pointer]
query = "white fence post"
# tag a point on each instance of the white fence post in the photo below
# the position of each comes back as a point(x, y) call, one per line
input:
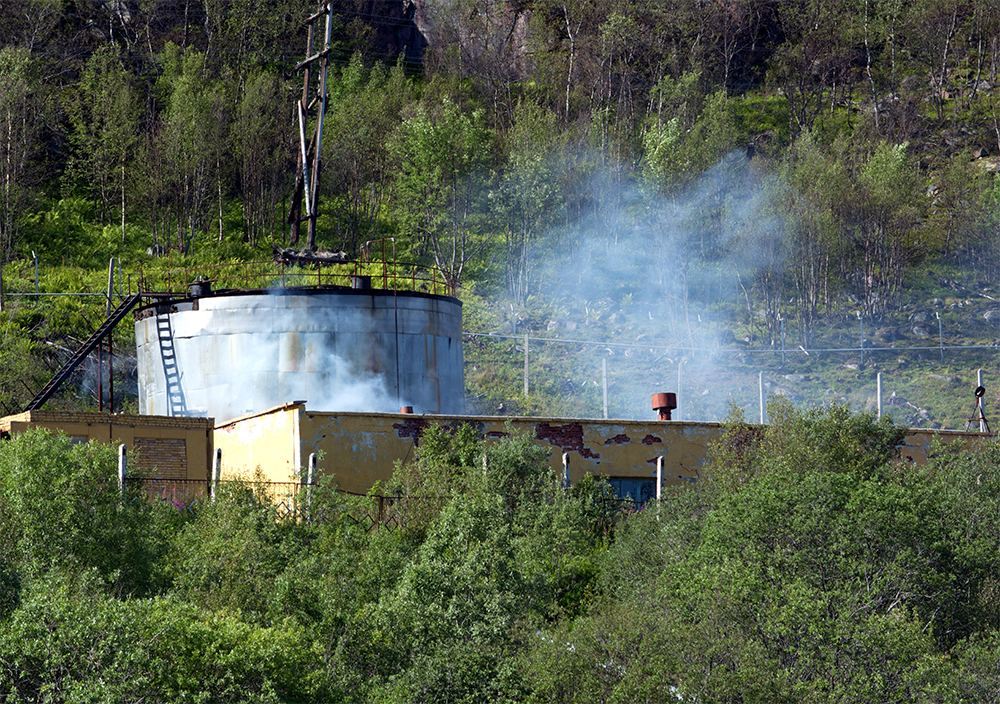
point(122, 468)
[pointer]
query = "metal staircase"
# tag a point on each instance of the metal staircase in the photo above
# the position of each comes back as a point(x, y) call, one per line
point(81, 354)
point(171, 374)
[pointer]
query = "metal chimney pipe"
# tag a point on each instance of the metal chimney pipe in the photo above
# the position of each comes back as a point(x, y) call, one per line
point(663, 404)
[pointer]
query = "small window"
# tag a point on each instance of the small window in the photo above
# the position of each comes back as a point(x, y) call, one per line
point(635, 489)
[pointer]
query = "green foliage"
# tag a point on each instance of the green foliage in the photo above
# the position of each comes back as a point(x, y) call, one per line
point(62, 510)
point(508, 549)
point(70, 643)
point(675, 155)
point(234, 556)
point(105, 119)
point(826, 572)
point(24, 108)
point(445, 631)
point(810, 565)
point(821, 439)
point(443, 155)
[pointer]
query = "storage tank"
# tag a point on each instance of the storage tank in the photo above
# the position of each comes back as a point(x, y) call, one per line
point(227, 353)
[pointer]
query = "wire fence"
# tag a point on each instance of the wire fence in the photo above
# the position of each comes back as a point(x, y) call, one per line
point(296, 501)
point(929, 386)
point(922, 384)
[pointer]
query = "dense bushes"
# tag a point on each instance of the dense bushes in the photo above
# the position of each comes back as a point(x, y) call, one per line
point(811, 564)
point(829, 572)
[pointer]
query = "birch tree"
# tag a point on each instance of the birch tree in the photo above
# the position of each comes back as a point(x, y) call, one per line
point(443, 160)
point(105, 120)
point(24, 109)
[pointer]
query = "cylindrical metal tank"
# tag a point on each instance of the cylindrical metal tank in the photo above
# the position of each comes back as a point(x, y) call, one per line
point(338, 349)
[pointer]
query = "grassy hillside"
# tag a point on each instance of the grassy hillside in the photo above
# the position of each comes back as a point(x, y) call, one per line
point(572, 338)
point(922, 385)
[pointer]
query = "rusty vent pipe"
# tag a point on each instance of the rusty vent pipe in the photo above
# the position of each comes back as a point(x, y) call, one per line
point(663, 404)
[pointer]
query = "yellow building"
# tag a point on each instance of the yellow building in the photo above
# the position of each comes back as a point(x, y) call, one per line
point(362, 448)
point(178, 449)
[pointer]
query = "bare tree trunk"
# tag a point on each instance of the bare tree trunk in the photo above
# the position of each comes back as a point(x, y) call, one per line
point(572, 58)
point(123, 201)
point(218, 180)
point(868, 71)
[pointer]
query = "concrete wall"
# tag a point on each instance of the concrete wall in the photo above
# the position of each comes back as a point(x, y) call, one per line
point(268, 441)
point(362, 448)
point(178, 448)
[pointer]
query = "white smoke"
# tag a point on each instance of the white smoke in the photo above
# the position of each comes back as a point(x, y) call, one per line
point(327, 363)
point(643, 269)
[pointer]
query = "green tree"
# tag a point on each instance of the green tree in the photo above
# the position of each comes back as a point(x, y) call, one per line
point(679, 151)
point(365, 110)
point(62, 510)
point(508, 548)
point(262, 146)
point(527, 199)
point(817, 179)
point(232, 555)
point(105, 119)
point(443, 159)
point(187, 172)
point(823, 40)
point(71, 643)
point(24, 110)
point(884, 226)
point(810, 567)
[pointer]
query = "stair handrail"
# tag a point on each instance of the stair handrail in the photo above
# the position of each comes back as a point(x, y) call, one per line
point(85, 349)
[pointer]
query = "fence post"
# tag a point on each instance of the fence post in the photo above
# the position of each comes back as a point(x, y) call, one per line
point(782, 320)
point(565, 463)
point(111, 284)
point(122, 462)
point(862, 321)
point(526, 365)
point(878, 392)
point(659, 477)
point(310, 482)
point(760, 382)
point(604, 377)
point(216, 472)
point(940, 335)
point(677, 411)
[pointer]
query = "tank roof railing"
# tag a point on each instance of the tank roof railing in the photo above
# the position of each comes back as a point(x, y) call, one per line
point(266, 275)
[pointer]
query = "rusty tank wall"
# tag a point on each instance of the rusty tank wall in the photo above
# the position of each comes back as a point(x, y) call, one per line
point(228, 353)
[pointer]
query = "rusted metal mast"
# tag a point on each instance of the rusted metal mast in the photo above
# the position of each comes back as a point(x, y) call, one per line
point(310, 151)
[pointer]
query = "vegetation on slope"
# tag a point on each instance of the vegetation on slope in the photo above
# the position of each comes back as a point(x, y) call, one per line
point(713, 180)
point(809, 564)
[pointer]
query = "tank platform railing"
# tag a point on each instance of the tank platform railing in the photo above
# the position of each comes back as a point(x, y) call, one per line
point(267, 275)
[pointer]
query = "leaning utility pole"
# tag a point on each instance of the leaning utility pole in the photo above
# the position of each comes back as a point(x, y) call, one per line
point(309, 152)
